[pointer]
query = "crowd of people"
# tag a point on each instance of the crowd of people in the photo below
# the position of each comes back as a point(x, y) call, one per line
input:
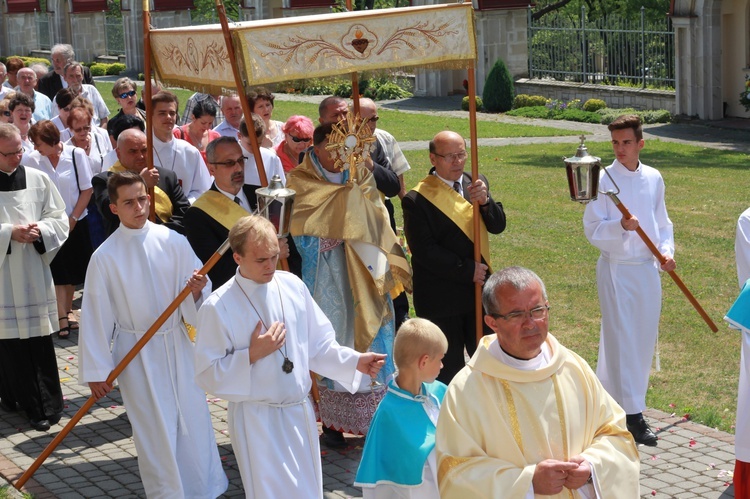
point(74, 191)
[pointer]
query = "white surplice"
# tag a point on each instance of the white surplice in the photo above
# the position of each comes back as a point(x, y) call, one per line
point(742, 247)
point(271, 421)
point(186, 161)
point(132, 278)
point(26, 288)
point(628, 280)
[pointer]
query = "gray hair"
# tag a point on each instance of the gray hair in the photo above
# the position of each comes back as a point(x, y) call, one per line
point(519, 277)
point(3, 68)
point(72, 64)
point(39, 68)
point(9, 131)
point(65, 50)
point(211, 147)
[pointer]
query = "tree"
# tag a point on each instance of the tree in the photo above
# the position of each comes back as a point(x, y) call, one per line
point(498, 89)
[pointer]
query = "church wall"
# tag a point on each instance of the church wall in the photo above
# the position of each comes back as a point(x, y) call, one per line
point(21, 40)
point(88, 35)
point(735, 57)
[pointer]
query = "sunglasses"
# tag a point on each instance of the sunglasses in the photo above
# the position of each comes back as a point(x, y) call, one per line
point(299, 139)
point(6, 113)
point(125, 95)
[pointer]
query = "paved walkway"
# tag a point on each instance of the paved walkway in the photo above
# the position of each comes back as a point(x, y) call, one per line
point(98, 459)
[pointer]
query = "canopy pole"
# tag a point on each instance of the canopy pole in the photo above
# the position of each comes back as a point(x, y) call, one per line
point(475, 205)
point(147, 101)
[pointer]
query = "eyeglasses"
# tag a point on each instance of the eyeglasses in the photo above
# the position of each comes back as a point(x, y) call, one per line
point(456, 156)
point(86, 128)
point(536, 314)
point(299, 139)
point(239, 161)
point(125, 95)
point(15, 153)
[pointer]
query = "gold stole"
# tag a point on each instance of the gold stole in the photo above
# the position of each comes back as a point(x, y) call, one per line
point(220, 208)
point(456, 208)
point(352, 212)
point(163, 205)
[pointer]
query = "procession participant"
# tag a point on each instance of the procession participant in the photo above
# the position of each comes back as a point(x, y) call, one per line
point(193, 100)
point(60, 55)
point(261, 103)
point(527, 417)
point(351, 262)
point(742, 247)
point(271, 162)
point(175, 154)
point(259, 335)
point(171, 202)
point(399, 455)
point(125, 92)
point(74, 77)
point(64, 97)
point(627, 274)
point(208, 220)
point(231, 108)
point(438, 224)
point(114, 129)
point(21, 108)
point(298, 132)
point(198, 133)
point(132, 279)
point(84, 136)
point(42, 103)
point(33, 227)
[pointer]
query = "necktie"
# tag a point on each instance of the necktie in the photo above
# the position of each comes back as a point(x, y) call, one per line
point(456, 187)
point(237, 200)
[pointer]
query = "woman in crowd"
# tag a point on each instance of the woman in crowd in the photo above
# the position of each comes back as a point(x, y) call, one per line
point(199, 131)
point(63, 98)
point(21, 110)
point(298, 131)
point(83, 102)
point(96, 147)
point(5, 116)
point(125, 93)
point(68, 167)
point(261, 102)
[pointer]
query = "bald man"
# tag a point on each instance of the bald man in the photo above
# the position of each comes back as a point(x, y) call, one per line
point(438, 223)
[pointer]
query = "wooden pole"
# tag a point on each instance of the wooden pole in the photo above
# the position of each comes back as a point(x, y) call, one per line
point(651, 246)
point(475, 206)
point(120, 368)
point(246, 111)
point(147, 101)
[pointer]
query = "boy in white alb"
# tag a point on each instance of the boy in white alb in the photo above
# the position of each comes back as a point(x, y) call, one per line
point(398, 460)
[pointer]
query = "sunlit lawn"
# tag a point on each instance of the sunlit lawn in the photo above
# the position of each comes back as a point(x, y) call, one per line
point(706, 192)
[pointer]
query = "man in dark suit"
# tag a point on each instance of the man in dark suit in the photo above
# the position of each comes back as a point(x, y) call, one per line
point(208, 220)
point(438, 223)
point(61, 55)
point(170, 200)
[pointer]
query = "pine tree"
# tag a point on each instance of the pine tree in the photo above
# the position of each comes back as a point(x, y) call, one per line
point(498, 89)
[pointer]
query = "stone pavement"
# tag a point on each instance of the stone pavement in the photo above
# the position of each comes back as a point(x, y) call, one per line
point(97, 460)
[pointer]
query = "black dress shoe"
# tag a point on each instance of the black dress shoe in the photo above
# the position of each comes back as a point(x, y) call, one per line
point(642, 433)
point(40, 425)
point(333, 440)
point(54, 419)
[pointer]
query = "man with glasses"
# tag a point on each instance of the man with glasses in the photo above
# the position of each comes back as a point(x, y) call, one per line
point(438, 223)
point(170, 200)
point(33, 227)
point(527, 417)
point(209, 219)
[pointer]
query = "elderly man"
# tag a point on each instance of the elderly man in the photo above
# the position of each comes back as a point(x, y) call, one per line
point(33, 227)
point(54, 81)
point(231, 108)
point(175, 154)
point(351, 262)
point(527, 417)
point(171, 202)
point(26, 85)
point(74, 78)
point(438, 223)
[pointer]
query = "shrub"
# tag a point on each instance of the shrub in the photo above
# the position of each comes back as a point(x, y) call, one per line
point(578, 115)
point(27, 60)
point(343, 90)
point(98, 69)
point(539, 112)
point(498, 89)
point(656, 116)
point(525, 100)
point(465, 103)
point(115, 68)
point(390, 90)
point(609, 115)
point(593, 105)
point(317, 87)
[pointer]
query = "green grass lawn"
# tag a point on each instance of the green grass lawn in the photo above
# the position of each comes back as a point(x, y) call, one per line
point(405, 126)
point(706, 192)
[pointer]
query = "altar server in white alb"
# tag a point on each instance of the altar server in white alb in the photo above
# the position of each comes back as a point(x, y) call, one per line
point(628, 274)
point(132, 278)
point(259, 335)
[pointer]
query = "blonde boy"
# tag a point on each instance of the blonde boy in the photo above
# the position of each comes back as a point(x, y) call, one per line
point(398, 460)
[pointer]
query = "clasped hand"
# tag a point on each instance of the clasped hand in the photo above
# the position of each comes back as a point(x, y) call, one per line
point(25, 233)
point(551, 475)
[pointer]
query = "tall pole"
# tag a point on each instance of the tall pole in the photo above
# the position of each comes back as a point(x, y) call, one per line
point(355, 77)
point(147, 100)
point(120, 368)
point(475, 204)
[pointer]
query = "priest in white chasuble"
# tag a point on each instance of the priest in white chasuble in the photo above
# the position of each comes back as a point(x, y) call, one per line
point(259, 335)
point(33, 227)
point(131, 280)
point(527, 417)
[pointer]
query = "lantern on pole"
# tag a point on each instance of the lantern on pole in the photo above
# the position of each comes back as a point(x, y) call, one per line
point(275, 203)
